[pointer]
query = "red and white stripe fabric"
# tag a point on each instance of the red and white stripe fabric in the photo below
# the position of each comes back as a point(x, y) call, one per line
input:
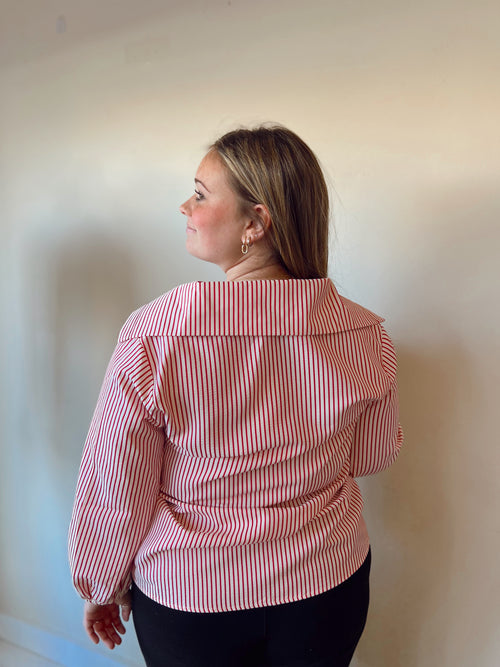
point(219, 466)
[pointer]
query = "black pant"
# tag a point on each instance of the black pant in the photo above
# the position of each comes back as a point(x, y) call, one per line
point(321, 631)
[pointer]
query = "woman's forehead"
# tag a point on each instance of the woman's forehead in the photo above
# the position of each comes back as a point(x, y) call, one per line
point(211, 172)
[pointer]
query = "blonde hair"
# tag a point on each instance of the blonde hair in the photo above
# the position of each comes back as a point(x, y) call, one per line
point(274, 167)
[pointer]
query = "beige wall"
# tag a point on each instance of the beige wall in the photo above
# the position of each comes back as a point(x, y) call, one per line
point(102, 126)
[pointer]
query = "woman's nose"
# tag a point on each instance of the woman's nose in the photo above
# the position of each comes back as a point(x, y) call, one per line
point(184, 208)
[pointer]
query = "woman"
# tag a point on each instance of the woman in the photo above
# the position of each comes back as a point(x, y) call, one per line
point(218, 475)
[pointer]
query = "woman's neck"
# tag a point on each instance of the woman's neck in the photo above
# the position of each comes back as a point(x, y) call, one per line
point(248, 270)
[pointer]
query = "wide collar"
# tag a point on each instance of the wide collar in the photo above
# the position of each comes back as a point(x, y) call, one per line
point(249, 308)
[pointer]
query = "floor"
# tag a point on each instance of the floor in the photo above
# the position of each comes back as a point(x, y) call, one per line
point(12, 656)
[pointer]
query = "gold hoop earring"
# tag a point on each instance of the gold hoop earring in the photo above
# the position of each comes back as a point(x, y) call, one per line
point(244, 248)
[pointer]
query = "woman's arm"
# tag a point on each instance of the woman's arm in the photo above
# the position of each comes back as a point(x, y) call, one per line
point(118, 481)
point(378, 435)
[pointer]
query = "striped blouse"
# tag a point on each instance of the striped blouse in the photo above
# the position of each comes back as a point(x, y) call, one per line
point(219, 468)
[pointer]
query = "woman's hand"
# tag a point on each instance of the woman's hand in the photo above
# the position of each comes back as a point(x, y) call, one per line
point(102, 621)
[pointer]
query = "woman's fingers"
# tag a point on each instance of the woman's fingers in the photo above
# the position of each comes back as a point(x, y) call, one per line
point(107, 634)
point(125, 603)
point(117, 623)
point(91, 633)
point(126, 609)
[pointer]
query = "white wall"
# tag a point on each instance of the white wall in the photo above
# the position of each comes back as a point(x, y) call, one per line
point(102, 127)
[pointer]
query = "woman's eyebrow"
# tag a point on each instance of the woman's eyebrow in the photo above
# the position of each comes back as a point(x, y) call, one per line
point(197, 180)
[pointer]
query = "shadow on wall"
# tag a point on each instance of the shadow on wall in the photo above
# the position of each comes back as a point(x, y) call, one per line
point(94, 284)
point(85, 289)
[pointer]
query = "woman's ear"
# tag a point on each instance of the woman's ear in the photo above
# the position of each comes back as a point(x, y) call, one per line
point(258, 224)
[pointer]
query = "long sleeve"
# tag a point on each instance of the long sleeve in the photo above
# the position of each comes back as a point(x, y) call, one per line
point(378, 435)
point(119, 478)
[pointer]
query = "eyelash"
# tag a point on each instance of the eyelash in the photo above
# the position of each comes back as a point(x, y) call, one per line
point(198, 195)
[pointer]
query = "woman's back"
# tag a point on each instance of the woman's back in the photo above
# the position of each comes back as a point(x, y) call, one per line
point(259, 390)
